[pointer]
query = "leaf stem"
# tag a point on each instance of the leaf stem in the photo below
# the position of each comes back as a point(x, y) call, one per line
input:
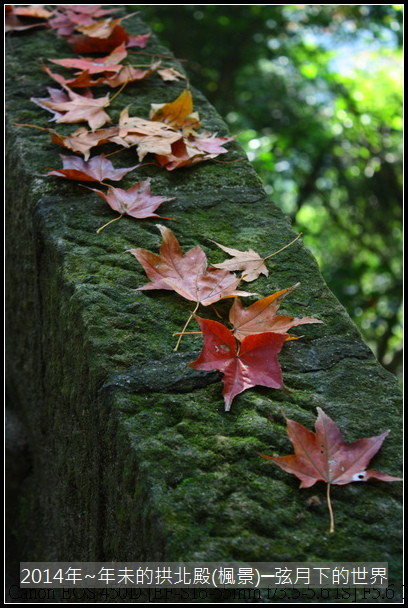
point(156, 55)
point(175, 349)
point(18, 124)
point(118, 92)
point(104, 226)
point(331, 531)
point(285, 247)
point(186, 333)
point(228, 162)
point(121, 150)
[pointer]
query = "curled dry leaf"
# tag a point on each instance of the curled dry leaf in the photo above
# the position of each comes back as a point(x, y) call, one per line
point(104, 35)
point(254, 362)
point(87, 44)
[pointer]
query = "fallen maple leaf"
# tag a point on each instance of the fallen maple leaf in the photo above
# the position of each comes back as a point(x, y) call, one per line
point(190, 150)
point(137, 201)
point(261, 316)
point(151, 137)
point(81, 81)
point(70, 107)
point(170, 74)
point(103, 28)
point(13, 22)
point(140, 40)
point(188, 275)
point(82, 140)
point(253, 362)
point(103, 36)
point(126, 73)
point(87, 44)
point(97, 169)
point(249, 261)
point(130, 74)
point(95, 10)
point(110, 63)
point(325, 456)
point(68, 17)
point(36, 11)
point(178, 114)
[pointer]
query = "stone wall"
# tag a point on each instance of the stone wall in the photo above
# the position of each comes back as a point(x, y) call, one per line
point(133, 456)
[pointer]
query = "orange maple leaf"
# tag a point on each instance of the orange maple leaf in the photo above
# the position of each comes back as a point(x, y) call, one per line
point(261, 316)
point(178, 113)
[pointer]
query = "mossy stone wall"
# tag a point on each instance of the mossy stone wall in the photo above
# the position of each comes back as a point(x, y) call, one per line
point(133, 456)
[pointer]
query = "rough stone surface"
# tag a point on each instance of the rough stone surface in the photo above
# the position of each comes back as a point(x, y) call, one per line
point(133, 456)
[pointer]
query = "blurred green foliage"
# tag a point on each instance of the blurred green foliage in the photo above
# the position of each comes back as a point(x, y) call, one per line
point(314, 93)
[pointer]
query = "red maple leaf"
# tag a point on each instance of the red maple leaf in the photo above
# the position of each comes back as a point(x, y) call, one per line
point(325, 456)
point(253, 362)
point(103, 36)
